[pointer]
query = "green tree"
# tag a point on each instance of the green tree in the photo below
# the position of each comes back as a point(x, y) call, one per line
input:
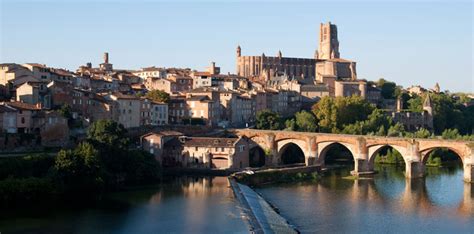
point(79, 169)
point(108, 133)
point(396, 130)
point(447, 112)
point(65, 111)
point(376, 123)
point(269, 120)
point(306, 122)
point(450, 134)
point(290, 124)
point(388, 89)
point(335, 113)
point(422, 133)
point(158, 96)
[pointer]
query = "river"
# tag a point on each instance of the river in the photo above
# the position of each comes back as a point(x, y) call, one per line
point(182, 205)
point(387, 203)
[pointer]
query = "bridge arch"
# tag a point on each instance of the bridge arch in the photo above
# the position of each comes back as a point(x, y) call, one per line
point(426, 152)
point(373, 150)
point(291, 151)
point(324, 147)
point(257, 156)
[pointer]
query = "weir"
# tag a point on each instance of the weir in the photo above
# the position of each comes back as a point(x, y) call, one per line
point(261, 217)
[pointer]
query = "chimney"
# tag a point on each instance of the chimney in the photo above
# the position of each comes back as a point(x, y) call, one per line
point(89, 65)
point(106, 57)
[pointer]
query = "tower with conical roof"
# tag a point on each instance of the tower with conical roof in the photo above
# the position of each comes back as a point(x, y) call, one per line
point(428, 111)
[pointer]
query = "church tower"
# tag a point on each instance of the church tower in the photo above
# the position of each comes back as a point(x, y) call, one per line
point(328, 42)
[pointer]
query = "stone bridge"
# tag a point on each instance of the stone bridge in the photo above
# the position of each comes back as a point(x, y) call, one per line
point(363, 149)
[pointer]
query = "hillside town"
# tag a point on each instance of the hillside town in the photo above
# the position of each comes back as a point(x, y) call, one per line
point(44, 106)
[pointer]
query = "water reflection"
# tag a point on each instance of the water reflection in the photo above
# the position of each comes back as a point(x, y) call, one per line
point(440, 202)
point(182, 205)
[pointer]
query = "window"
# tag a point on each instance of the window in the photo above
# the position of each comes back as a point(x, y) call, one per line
point(241, 148)
point(196, 148)
point(22, 120)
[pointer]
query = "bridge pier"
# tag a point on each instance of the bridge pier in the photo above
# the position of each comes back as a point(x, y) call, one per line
point(361, 166)
point(468, 173)
point(361, 158)
point(312, 154)
point(310, 160)
point(414, 169)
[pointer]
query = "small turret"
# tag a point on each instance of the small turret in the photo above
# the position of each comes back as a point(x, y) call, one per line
point(436, 88)
point(428, 111)
point(399, 104)
point(239, 51)
point(427, 104)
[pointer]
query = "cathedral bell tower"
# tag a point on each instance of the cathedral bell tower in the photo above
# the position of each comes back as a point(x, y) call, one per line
point(328, 42)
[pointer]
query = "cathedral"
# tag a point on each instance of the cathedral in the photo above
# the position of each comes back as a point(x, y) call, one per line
point(325, 68)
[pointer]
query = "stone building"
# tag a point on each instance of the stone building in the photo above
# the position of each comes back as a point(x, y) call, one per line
point(221, 153)
point(172, 149)
point(128, 109)
point(164, 145)
point(254, 66)
point(325, 67)
point(153, 113)
point(146, 72)
point(414, 120)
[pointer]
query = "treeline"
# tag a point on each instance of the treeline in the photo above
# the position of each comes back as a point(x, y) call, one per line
point(104, 162)
point(354, 115)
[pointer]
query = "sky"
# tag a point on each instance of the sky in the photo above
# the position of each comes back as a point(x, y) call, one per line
point(408, 42)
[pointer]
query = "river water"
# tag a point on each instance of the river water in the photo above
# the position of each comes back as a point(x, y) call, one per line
point(182, 205)
point(387, 203)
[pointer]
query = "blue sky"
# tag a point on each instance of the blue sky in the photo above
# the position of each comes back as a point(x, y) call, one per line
point(407, 42)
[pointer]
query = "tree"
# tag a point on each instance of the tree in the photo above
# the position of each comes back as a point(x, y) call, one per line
point(306, 122)
point(422, 133)
point(447, 112)
point(388, 89)
point(376, 123)
point(158, 96)
point(334, 113)
point(269, 120)
point(396, 130)
point(66, 112)
point(450, 134)
point(79, 169)
point(108, 133)
point(290, 124)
